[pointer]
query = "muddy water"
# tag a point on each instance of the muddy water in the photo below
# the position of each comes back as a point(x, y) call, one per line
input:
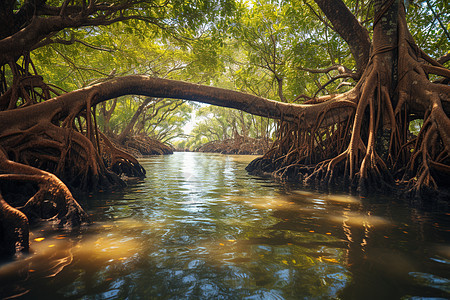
point(199, 227)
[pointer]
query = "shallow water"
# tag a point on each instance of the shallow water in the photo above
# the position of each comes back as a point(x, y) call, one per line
point(200, 227)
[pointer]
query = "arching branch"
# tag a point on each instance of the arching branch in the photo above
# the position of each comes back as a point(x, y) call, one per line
point(443, 59)
point(75, 101)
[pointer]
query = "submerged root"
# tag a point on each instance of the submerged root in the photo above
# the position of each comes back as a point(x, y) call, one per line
point(52, 201)
point(14, 230)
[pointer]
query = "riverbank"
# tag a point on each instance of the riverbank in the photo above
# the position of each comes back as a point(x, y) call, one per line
point(244, 146)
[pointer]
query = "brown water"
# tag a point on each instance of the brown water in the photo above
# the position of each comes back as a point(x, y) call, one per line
point(199, 227)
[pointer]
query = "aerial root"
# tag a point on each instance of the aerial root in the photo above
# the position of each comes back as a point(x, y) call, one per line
point(325, 154)
point(325, 172)
point(309, 157)
point(432, 152)
point(70, 154)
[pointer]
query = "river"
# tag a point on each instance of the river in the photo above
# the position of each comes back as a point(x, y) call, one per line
point(200, 227)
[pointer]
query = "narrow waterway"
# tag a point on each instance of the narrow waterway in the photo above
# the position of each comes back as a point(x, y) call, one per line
point(200, 227)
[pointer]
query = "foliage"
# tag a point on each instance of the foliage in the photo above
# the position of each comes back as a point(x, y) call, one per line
point(267, 48)
point(431, 29)
point(133, 47)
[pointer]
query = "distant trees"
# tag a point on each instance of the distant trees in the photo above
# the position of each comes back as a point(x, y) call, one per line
point(216, 124)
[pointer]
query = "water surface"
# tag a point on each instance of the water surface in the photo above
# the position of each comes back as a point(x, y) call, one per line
point(200, 227)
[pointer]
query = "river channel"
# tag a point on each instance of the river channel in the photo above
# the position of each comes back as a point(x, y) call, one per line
point(200, 227)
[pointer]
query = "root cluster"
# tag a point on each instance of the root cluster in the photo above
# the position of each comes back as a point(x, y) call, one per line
point(373, 149)
point(46, 154)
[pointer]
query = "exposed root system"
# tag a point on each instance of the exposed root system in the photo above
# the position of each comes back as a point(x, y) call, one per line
point(373, 150)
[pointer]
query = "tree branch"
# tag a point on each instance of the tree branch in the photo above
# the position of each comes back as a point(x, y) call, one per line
point(443, 59)
point(322, 86)
point(348, 27)
point(341, 69)
point(48, 41)
point(62, 106)
point(39, 28)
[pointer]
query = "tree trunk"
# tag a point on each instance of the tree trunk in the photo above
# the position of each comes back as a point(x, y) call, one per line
point(127, 130)
point(107, 114)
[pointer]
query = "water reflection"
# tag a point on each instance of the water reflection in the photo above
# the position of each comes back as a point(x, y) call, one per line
point(199, 227)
